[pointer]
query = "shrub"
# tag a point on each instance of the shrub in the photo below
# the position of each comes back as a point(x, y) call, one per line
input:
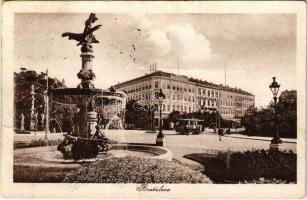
point(266, 163)
point(250, 165)
point(265, 181)
point(135, 170)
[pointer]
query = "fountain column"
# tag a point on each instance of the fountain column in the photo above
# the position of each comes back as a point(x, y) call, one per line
point(92, 120)
point(86, 73)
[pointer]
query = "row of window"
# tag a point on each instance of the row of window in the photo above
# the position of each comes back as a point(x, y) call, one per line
point(147, 96)
point(201, 91)
point(241, 98)
point(208, 102)
point(181, 108)
point(238, 104)
point(138, 88)
point(176, 87)
point(238, 98)
point(227, 111)
point(247, 105)
point(180, 97)
point(227, 103)
point(209, 93)
point(142, 87)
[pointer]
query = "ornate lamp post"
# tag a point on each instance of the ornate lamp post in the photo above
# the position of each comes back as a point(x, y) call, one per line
point(276, 141)
point(152, 109)
point(160, 137)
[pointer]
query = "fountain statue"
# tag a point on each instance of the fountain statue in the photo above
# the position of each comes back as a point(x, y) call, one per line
point(86, 139)
point(22, 123)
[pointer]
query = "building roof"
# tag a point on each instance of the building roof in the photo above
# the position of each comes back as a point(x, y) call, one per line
point(193, 80)
point(156, 73)
point(204, 83)
point(236, 90)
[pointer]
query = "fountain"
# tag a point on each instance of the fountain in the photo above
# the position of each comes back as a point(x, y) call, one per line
point(86, 141)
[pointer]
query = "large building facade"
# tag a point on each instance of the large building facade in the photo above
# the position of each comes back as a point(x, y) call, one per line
point(186, 95)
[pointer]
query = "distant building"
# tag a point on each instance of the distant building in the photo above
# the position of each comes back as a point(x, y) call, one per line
point(288, 96)
point(186, 95)
point(234, 102)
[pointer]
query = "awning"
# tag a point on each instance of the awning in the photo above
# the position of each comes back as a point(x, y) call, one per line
point(230, 119)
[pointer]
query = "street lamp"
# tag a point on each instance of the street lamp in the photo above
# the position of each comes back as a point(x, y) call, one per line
point(160, 137)
point(274, 87)
point(152, 111)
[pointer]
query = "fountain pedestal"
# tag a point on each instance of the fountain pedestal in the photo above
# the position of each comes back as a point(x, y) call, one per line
point(92, 121)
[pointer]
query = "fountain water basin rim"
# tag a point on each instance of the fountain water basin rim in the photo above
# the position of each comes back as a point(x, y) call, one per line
point(48, 156)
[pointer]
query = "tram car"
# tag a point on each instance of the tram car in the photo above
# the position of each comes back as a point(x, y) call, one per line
point(189, 126)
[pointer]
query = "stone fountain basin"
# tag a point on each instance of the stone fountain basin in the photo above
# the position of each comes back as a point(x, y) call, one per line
point(50, 154)
point(46, 164)
point(152, 151)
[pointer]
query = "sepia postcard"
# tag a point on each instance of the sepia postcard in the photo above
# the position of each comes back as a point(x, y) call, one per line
point(139, 100)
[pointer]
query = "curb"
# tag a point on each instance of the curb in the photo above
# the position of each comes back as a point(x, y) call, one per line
point(257, 139)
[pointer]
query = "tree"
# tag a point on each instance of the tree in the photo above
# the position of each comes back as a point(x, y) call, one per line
point(137, 115)
point(174, 116)
point(23, 99)
point(261, 121)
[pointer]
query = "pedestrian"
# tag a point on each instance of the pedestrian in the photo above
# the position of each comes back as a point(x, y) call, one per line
point(220, 133)
point(186, 130)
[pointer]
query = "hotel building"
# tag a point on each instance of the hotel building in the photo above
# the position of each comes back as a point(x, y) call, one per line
point(186, 95)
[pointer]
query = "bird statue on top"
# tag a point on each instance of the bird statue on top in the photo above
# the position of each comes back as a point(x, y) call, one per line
point(86, 38)
point(87, 35)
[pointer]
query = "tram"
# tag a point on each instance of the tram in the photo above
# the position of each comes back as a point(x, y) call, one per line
point(189, 126)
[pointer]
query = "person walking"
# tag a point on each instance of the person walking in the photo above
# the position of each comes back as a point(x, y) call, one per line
point(220, 133)
point(186, 130)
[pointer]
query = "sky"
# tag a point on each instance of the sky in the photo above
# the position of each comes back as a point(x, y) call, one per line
point(251, 47)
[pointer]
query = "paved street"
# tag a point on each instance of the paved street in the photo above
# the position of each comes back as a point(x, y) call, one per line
point(180, 145)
